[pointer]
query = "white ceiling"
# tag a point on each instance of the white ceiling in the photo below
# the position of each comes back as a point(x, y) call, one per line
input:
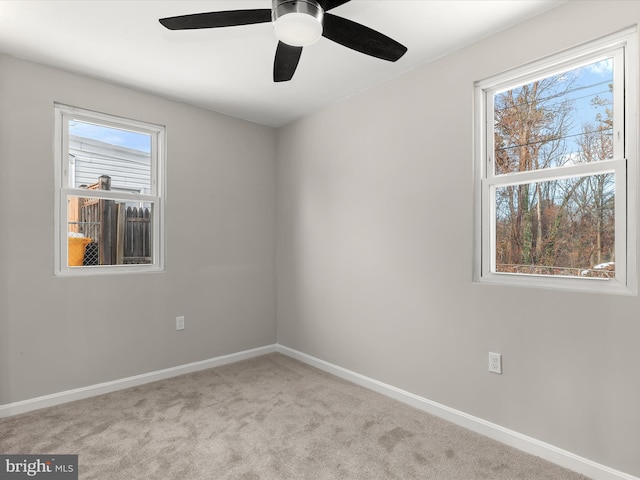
point(229, 70)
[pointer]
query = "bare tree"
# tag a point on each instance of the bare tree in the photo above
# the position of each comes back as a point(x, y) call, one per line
point(530, 125)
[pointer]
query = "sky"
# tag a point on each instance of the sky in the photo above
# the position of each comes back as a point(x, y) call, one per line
point(579, 86)
point(114, 136)
point(594, 80)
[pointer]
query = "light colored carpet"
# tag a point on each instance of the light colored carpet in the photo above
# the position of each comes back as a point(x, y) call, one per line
point(266, 418)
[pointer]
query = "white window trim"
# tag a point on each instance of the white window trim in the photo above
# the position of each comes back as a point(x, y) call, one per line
point(62, 190)
point(625, 166)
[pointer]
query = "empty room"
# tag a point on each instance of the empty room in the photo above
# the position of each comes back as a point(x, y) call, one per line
point(319, 239)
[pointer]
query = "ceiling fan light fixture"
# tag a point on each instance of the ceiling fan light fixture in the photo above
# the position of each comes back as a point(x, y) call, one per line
point(297, 22)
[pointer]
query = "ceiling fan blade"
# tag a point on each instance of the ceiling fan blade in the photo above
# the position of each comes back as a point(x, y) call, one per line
point(229, 18)
point(329, 4)
point(286, 62)
point(362, 39)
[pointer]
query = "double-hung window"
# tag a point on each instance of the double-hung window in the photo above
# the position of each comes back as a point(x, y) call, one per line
point(109, 193)
point(556, 171)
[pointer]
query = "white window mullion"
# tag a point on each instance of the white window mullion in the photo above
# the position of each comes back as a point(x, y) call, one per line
point(125, 197)
point(157, 226)
point(489, 129)
point(621, 224)
point(618, 104)
point(631, 153)
point(521, 178)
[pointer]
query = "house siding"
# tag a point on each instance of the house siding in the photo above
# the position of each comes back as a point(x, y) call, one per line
point(128, 168)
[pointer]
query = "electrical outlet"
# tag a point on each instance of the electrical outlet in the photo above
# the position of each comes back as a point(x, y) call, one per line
point(180, 323)
point(495, 363)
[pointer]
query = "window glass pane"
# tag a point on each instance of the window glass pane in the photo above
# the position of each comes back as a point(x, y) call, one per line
point(108, 232)
point(97, 150)
point(560, 120)
point(560, 227)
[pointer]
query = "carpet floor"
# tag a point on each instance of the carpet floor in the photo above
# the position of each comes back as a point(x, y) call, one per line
point(268, 418)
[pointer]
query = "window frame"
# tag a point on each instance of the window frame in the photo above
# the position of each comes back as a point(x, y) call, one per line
point(63, 190)
point(623, 47)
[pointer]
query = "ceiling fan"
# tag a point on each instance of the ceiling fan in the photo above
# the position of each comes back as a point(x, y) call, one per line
point(297, 23)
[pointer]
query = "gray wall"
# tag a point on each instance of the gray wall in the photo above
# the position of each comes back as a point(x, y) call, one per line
point(375, 242)
point(58, 334)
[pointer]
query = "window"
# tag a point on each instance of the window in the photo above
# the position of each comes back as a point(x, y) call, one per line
point(109, 193)
point(555, 170)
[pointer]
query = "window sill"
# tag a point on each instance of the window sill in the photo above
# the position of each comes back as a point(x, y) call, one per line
point(610, 286)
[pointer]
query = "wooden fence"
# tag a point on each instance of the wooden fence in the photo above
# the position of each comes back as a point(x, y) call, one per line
point(137, 235)
point(122, 233)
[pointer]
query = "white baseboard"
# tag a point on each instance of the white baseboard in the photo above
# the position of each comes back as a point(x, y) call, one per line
point(517, 440)
point(101, 388)
point(514, 439)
